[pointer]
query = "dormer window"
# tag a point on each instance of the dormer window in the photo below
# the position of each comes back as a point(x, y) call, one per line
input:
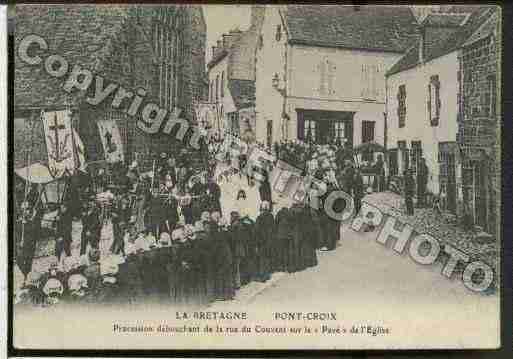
point(278, 32)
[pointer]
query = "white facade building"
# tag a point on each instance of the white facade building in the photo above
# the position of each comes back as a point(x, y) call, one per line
point(417, 126)
point(315, 81)
point(231, 74)
point(425, 98)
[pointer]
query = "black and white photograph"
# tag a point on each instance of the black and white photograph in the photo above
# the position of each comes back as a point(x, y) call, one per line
point(219, 177)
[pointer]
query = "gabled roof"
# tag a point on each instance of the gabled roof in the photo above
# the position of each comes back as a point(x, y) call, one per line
point(479, 15)
point(243, 92)
point(375, 28)
point(81, 34)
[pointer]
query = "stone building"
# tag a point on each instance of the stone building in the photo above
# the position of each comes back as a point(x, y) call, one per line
point(231, 76)
point(320, 71)
point(478, 122)
point(156, 50)
point(442, 105)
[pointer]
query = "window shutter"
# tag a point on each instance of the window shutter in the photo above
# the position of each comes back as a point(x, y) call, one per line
point(322, 77)
point(438, 99)
point(301, 128)
point(429, 102)
point(331, 75)
point(373, 81)
point(363, 81)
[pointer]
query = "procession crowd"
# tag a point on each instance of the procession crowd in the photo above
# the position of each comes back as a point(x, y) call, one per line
point(170, 238)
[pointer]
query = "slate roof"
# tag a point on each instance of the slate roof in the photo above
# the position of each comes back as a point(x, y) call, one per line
point(243, 92)
point(485, 30)
point(378, 28)
point(451, 20)
point(82, 34)
point(479, 15)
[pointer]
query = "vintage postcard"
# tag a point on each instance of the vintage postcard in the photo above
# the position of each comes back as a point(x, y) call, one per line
point(256, 177)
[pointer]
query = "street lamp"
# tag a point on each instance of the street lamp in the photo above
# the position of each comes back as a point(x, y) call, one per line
point(276, 84)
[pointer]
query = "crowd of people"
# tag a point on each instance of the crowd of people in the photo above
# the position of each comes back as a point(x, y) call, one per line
point(194, 264)
point(169, 238)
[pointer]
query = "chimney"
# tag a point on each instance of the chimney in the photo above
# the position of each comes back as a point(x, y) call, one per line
point(257, 17)
point(213, 51)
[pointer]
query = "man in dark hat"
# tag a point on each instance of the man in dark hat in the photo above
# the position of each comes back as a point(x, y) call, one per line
point(214, 192)
point(207, 238)
point(155, 215)
point(224, 280)
point(31, 221)
point(120, 219)
point(171, 215)
point(348, 177)
point(294, 254)
point(358, 190)
point(91, 226)
point(284, 228)
point(64, 223)
point(264, 228)
point(265, 191)
point(185, 272)
point(248, 264)
point(171, 168)
point(237, 246)
point(130, 281)
point(409, 191)
point(161, 166)
point(422, 181)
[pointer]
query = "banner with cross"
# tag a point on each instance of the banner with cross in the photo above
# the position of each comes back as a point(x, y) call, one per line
point(59, 142)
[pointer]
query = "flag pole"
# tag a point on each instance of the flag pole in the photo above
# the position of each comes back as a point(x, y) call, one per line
point(68, 108)
point(153, 176)
point(23, 213)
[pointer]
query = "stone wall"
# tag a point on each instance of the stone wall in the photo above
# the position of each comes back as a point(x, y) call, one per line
point(133, 63)
point(478, 121)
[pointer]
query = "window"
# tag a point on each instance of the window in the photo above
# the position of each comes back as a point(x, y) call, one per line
point(326, 77)
point(370, 77)
point(401, 108)
point(434, 102)
point(491, 96)
point(339, 132)
point(217, 88)
point(222, 84)
point(269, 133)
point(405, 155)
point(416, 155)
point(392, 161)
point(367, 131)
point(278, 32)
point(233, 118)
point(309, 131)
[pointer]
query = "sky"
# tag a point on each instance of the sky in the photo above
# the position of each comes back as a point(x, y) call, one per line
point(223, 18)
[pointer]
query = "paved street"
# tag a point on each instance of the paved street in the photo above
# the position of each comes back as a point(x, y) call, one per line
point(364, 281)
